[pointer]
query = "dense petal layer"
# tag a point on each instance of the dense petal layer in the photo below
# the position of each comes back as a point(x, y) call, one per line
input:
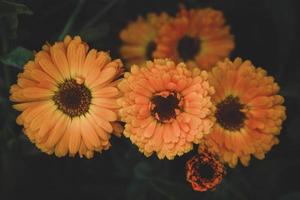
point(260, 108)
point(155, 107)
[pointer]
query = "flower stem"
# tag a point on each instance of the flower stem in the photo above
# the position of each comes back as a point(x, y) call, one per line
point(100, 14)
point(71, 20)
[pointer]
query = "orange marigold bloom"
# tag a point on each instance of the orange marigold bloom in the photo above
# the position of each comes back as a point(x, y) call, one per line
point(198, 36)
point(249, 112)
point(67, 96)
point(204, 171)
point(139, 38)
point(167, 107)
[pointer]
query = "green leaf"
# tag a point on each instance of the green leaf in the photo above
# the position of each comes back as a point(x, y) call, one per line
point(17, 57)
point(8, 8)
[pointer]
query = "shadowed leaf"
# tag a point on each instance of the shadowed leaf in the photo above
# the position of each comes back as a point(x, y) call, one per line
point(17, 57)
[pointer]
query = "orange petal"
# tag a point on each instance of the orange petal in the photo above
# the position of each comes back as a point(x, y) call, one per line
point(150, 129)
point(57, 132)
point(89, 136)
point(105, 103)
point(106, 92)
point(47, 126)
point(61, 62)
point(104, 113)
point(89, 61)
point(62, 147)
point(105, 75)
point(51, 69)
point(102, 123)
point(100, 132)
point(75, 136)
point(167, 134)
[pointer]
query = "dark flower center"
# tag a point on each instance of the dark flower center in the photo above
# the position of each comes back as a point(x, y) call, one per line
point(149, 50)
point(188, 47)
point(229, 114)
point(72, 98)
point(205, 171)
point(164, 107)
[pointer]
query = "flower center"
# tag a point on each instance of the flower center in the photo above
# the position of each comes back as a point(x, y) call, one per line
point(149, 50)
point(72, 98)
point(229, 114)
point(188, 47)
point(165, 106)
point(204, 170)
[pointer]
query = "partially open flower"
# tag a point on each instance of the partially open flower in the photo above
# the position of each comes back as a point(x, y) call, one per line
point(166, 107)
point(198, 37)
point(204, 171)
point(249, 112)
point(139, 38)
point(67, 96)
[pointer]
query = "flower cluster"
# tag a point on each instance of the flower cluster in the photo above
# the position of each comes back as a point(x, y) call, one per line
point(72, 98)
point(199, 37)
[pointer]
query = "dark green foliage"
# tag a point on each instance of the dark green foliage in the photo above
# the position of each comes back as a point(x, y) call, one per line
point(17, 57)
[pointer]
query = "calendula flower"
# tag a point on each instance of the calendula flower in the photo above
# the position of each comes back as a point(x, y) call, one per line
point(204, 171)
point(166, 107)
point(198, 36)
point(67, 96)
point(249, 112)
point(139, 38)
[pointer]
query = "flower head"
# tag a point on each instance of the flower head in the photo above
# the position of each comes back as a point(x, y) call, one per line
point(249, 112)
point(204, 171)
point(67, 96)
point(166, 107)
point(198, 36)
point(139, 38)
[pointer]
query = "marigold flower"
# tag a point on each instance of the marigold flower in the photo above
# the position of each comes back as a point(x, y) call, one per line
point(198, 36)
point(166, 107)
point(249, 112)
point(204, 171)
point(67, 96)
point(139, 38)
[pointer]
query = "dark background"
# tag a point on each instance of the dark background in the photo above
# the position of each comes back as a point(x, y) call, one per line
point(265, 32)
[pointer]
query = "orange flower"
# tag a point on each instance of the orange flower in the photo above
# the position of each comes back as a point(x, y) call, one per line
point(166, 107)
point(67, 96)
point(249, 113)
point(139, 38)
point(198, 37)
point(204, 171)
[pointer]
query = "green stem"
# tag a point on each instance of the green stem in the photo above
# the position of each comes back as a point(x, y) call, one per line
point(100, 14)
point(71, 20)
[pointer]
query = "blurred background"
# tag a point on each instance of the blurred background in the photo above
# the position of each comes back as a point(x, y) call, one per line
point(266, 32)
